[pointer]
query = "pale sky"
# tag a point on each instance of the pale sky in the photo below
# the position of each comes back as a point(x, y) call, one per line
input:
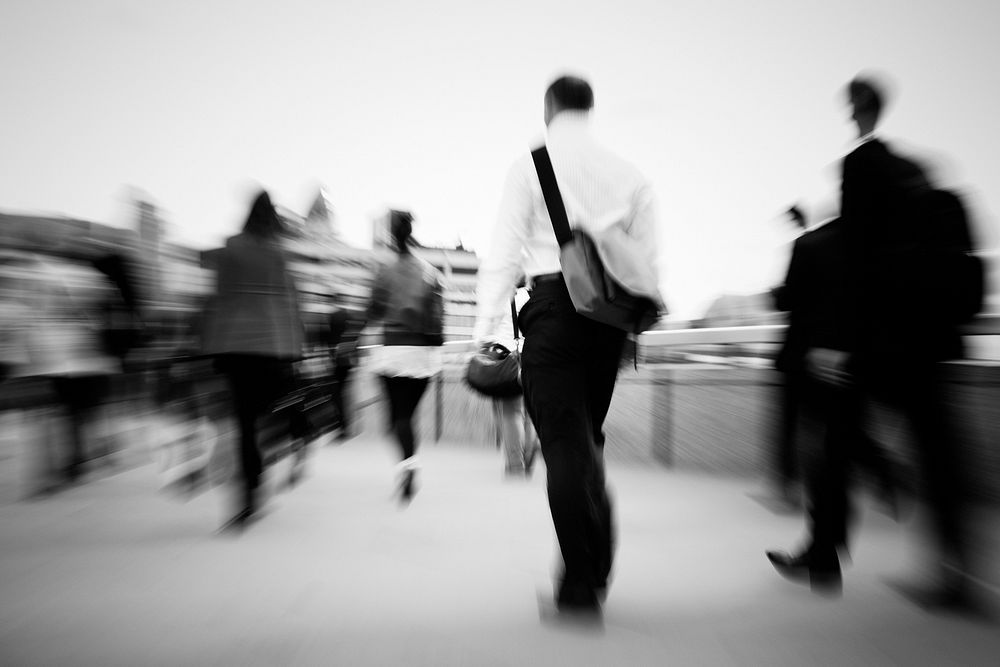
point(733, 109)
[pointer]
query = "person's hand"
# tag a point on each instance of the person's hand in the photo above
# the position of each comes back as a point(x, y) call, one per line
point(486, 342)
point(829, 366)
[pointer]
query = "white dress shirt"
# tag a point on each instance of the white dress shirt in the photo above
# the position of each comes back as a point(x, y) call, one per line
point(598, 188)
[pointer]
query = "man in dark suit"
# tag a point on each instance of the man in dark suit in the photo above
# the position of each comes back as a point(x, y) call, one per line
point(817, 296)
point(888, 345)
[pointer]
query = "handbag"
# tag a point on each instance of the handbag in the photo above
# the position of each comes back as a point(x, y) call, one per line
point(595, 267)
point(495, 371)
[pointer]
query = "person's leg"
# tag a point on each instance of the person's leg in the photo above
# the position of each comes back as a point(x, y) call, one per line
point(826, 491)
point(940, 459)
point(555, 374)
point(787, 463)
point(530, 440)
point(601, 378)
point(339, 395)
point(72, 395)
point(556, 399)
point(251, 464)
point(511, 418)
point(253, 382)
point(404, 397)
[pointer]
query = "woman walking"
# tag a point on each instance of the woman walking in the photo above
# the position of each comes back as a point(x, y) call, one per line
point(407, 298)
point(254, 331)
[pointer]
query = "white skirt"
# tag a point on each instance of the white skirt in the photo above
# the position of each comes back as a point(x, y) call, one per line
point(415, 361)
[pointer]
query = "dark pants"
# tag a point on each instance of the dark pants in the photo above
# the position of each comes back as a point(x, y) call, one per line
point(339, 392)
point(916, 391)
point(569, 367)
point(81, 396)
point(404, 396)
point(787, 458)
point(837, 411)
point(256, 382)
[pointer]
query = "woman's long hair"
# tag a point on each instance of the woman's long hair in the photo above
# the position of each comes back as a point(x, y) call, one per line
point(401, 228)
point(263, 221)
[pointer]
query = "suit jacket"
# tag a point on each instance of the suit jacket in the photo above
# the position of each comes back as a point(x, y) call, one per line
point(893, 322)
point(816, 295)
point(255, 308)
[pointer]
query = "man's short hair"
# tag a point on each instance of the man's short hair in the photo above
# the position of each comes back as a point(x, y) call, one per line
point(867, 94)
point(571, 92)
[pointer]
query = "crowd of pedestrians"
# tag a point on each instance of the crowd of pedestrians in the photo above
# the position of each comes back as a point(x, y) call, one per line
point(852, 288)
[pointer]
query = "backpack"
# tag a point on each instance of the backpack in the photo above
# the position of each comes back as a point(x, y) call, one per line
point(955, 276)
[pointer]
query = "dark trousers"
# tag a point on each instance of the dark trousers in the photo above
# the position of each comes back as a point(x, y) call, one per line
point(786, 462)
point(256, 382)
point(568, 369)
point(81, 396)
point(339, 392)
point(836, 411)
point(918, 391)
point(404, 397)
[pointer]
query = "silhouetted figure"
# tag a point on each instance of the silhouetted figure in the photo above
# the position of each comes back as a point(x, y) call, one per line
point(786, 464)
point(816, 294)
point(344, 328)
point(569, 363)
point(894, 333)
point(120, 312)
point(408, 298)
point(66, 343)
point(255, 331)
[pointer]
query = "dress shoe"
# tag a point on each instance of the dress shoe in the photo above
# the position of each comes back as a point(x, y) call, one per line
point(821, 572)
point(239, 521)
point(407, 485)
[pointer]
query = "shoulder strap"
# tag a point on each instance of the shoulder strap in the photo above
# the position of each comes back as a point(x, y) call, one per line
point(553, 199)
point(513, 318)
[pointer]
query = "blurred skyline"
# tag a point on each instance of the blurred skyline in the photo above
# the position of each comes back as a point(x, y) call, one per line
point(733, 110)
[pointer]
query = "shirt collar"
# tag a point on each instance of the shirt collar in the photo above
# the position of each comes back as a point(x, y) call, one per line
point(569, 120)
point(864, 139)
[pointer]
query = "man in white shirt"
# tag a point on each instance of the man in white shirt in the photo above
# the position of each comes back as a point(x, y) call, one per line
point(569, 363)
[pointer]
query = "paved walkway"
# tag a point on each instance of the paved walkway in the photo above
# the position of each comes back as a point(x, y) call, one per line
point(115, 573)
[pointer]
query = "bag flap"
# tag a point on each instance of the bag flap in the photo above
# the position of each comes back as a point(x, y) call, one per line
point(621, 256)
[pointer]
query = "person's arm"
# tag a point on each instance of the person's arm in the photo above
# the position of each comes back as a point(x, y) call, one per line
point(502, 265)
point(643, 226)
point(786, 295)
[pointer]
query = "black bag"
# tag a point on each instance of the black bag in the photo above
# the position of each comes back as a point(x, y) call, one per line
point(594, 292)
point(939, 269)
point(956, 276)
point(496, 371)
